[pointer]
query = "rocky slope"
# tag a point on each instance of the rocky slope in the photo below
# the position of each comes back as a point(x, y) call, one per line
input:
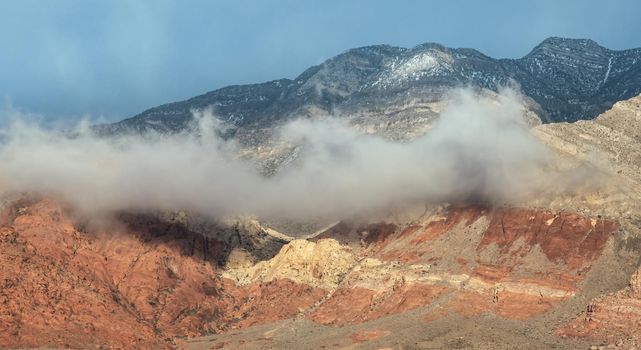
point(473, 277)
point(400, 89)
point(137, 282)
point(614, 139)
point(148, 283)
point(558, 270)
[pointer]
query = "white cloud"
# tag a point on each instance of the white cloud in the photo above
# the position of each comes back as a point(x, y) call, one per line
point(480, 149)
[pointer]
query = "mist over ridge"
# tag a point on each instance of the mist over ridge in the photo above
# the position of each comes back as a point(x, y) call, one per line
point(480, 149)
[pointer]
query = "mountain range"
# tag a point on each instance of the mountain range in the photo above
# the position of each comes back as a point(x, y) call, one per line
point(565, 80)
point(559, 268)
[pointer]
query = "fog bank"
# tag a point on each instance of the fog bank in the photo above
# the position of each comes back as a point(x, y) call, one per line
point(479, 150)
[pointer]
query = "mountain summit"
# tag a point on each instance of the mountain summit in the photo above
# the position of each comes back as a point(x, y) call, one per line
point(567, 80)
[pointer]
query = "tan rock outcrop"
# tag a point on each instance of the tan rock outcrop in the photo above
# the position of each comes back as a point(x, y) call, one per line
point(321, 264)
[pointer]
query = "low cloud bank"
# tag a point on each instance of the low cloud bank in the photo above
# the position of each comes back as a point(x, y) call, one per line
point(479, 150)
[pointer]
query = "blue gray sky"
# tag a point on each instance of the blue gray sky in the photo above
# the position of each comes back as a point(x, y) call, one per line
point(67, 59)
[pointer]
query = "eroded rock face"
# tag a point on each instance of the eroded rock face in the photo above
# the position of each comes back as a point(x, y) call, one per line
point(135, 284)
point(517, 267)
point(612, 144)
point(123, 288)
point(144, 282)
point(278, 299)
point(612, 317)
point(44, 305)
point(516, 263)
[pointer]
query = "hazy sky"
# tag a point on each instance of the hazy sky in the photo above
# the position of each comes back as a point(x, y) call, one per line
point(114, 59)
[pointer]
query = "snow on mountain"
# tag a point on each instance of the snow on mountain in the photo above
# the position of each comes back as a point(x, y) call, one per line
point(566, 80)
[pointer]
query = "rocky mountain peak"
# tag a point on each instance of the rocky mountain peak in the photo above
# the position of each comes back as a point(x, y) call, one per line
point(567, 80)
point(571, 52)
point(569, 44)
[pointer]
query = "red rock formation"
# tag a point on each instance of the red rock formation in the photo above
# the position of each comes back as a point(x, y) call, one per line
point(261, 303)
point(536, 260)
point(356, 305)
point(135, 286)
point(613, 316)
point(43, 305)
point(142, 283)
point(125, 289)
point(564, 238)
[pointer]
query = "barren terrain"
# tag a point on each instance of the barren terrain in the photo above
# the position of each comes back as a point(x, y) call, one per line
point(557, 270)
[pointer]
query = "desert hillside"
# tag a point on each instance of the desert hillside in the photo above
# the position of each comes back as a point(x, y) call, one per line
point(557, 269)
